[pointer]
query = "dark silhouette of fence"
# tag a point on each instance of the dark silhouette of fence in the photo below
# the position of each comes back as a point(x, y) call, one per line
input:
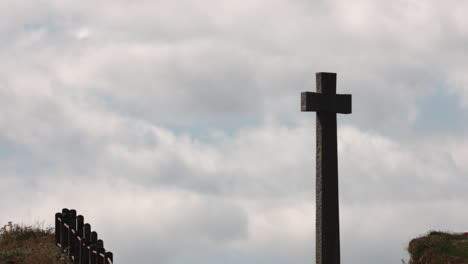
point(76, 238)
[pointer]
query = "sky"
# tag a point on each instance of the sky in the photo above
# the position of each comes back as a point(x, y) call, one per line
point(174, 127)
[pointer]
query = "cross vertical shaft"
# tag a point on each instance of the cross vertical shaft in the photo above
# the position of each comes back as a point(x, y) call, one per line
point(327, 104)
point(327, 223)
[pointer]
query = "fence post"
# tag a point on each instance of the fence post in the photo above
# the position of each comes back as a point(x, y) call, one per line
point(93, 248)
point(72, 233)
point(87, 236)
point(94, 237)
point(66, 235)
point(63, 231)
point(87, 231)
point(79, 239)
point(80, 225)
point(92, 254)
point(57, 227)
point(100, 250)
point(101, 256)
point(109, 257)
point(79, 249)
point(100, 243)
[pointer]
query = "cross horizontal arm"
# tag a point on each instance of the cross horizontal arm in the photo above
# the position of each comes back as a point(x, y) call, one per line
point(317, 102)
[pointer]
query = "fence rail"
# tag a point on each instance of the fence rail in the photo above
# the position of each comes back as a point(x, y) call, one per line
point(75, 238)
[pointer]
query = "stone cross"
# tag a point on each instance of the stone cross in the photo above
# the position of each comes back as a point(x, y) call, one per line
point(327, 223)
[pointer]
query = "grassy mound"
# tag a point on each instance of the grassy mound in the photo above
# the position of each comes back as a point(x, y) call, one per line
point(439, 248)
point(29, 245)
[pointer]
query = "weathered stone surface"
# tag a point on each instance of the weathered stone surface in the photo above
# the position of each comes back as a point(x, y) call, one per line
point(316, 102)
point(326, 103)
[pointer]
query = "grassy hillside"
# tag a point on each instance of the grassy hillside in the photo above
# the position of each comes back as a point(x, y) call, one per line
point(439, 248)
point(29, 245)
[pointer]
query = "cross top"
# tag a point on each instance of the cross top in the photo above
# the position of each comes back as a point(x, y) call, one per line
point(326, 99)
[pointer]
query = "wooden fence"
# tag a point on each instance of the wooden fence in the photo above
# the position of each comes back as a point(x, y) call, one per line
point(76, 239)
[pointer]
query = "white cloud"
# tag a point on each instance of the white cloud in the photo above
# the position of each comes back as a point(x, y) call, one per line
point(82, 33)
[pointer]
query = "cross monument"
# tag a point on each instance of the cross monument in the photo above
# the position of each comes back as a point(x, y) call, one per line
point(327, 223)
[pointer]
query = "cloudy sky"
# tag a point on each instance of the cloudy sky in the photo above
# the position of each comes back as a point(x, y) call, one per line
point(175, 128)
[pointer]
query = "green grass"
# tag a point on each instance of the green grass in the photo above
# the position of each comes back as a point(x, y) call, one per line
point(21, 244)
point(437, 247)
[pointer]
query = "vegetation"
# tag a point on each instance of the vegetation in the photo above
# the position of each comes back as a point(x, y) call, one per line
point(439, 247)
point(21, 244)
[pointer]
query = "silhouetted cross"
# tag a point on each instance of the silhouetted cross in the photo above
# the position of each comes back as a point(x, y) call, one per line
point(327, 223)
